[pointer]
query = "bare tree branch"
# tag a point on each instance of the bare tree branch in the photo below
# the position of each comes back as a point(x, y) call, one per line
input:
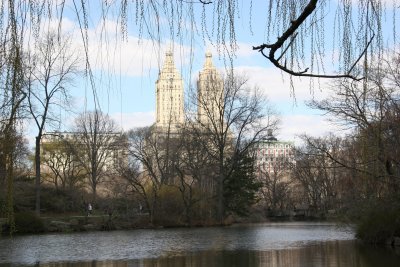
point(291, 32)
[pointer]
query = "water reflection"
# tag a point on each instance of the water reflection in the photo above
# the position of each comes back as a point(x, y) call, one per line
point(288, 244)
point(324, 254)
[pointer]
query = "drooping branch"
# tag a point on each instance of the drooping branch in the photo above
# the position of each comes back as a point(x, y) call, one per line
point(361, 55)
point(204, 2)
point(291, 32)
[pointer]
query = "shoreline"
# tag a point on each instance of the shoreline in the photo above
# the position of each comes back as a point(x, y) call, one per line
point(61, 223)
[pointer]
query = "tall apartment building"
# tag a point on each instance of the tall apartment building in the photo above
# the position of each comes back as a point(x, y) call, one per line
point(170, 114)
point(169, 96)
point(210, 93)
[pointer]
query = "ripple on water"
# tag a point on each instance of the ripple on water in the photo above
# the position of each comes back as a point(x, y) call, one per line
point(140, 244)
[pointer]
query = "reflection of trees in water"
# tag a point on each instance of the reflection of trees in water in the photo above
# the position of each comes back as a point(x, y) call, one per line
point(335, 253)
point(194, 248)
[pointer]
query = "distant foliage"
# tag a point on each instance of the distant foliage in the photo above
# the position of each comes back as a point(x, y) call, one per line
point(359, 173)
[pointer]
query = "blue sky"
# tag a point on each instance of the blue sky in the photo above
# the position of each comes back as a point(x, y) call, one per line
point(125, 71)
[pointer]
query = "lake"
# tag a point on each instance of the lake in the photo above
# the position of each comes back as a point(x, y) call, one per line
point(271, 244)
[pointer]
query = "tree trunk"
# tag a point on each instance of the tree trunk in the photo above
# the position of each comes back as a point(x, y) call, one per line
point(94, 187)
point(10, 184)
point(37, 175)
point(220, 194)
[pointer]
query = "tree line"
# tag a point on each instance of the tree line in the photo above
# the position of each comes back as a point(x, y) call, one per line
point(354, 173)
point(202, 155)
point(365, 100)
point(205, 171)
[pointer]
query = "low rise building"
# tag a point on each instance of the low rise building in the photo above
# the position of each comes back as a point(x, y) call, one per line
point(273, 155)
point(70, 159)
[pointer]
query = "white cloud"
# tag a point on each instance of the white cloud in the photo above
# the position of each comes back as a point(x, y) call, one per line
point(134, 119)
point(295, 125)
point(314, 125)
point(133, 56)
point(276, 85)
point(246, 50)
point(110, 54)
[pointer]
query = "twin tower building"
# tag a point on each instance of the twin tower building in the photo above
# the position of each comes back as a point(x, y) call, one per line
point(170, 98)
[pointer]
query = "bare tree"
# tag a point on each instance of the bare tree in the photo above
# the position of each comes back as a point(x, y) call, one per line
point(142, 173)
point(276, 185)
point(138, 183)
point(171, 158)
point(59, 156)
point(371, 111)
point(232, 118)
point(99, 147)
point(157, 151)
point(51, 70)
point(193, 168)
point(322, 178)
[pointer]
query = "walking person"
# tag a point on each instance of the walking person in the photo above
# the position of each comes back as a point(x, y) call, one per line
point(89, 209)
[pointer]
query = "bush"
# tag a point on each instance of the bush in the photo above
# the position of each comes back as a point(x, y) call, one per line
point(28, 222)
point(61, 201)
point(171, 208)
point(3, 206)
point(379, 225)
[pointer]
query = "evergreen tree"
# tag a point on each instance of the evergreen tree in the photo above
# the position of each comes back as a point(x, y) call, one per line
point(241, 187)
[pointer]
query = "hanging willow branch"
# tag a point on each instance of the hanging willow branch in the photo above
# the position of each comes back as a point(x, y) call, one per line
point(291, 33)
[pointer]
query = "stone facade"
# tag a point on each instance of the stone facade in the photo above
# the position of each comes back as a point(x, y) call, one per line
point(169, 96)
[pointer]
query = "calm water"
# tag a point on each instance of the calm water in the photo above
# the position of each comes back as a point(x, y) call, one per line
point(287, 244)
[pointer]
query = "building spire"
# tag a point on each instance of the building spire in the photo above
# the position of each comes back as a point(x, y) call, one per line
point(169, 61)
point(169, 69)
point(208, 64)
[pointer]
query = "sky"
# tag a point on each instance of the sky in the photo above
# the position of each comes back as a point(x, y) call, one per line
point(125, 71)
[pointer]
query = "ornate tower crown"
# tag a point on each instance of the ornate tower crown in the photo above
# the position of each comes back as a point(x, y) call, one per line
point(208, 64)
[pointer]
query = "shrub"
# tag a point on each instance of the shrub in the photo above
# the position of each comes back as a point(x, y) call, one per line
point(171, 207)
point(28, 222)
point(379, 224)
point(61, 201)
